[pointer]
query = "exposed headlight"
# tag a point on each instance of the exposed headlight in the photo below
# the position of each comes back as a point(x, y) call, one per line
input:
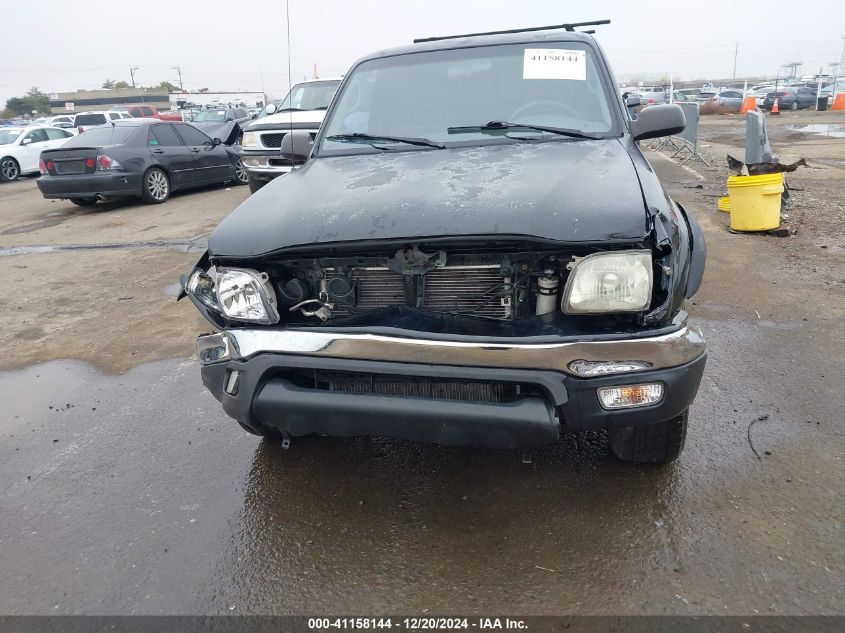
point(250, 139)
point(201, 286)
point(246, 295)
point(609, 282)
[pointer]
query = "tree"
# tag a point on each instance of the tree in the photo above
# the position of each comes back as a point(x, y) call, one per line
point(168, 86)
point(121, 84)
point(108, 84)
point(33, 100)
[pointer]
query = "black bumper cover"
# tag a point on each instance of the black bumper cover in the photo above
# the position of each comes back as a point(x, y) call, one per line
point(264, 399)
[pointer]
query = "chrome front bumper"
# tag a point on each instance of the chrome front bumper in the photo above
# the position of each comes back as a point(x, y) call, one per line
point(617, 356)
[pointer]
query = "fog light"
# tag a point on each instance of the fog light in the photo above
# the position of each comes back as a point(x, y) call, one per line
point(232, 382)
point(630, 396)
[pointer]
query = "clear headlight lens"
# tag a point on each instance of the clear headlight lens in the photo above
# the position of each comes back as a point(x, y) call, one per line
point(201, 286)
point(250, 139)
point(609, 282)
point(246, 295)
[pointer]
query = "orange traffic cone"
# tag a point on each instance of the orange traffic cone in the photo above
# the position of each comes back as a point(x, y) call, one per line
point(775, 109)
point(749, 103)
point(839, 102)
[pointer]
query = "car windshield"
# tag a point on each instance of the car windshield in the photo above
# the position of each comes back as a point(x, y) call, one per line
point(100, 136)
point(9, 136)
point(314, 95)
point(90, 119)
point(210, 116)
point(423, 95)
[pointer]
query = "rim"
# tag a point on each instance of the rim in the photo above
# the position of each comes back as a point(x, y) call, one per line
point(240, 171)
point(157, 185)
point(9, 169)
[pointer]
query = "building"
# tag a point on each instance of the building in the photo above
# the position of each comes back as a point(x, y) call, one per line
point(102, 99)
point(249, 99)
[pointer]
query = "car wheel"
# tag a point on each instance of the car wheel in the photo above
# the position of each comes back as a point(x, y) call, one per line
point(9, 169)
point(155, 188)
point(794, 105)
point(241, 175)
point(255, 184)
point(83, 202)
point(658, 443)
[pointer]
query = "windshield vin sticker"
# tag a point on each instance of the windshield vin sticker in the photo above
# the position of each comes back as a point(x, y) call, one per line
point(554, 63)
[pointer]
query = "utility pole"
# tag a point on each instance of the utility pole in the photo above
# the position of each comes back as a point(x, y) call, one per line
point(132, 70)
point(179, 70)
point(736, 52)
point(839, 68)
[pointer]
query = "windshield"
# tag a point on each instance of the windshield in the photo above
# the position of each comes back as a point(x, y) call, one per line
point(314, 95)
point(421, 95)
point(210, 116)
point(9, 136)
point(90, 119)
point(100, 136)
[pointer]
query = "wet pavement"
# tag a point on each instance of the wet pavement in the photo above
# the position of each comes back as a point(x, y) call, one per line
point(133, 493)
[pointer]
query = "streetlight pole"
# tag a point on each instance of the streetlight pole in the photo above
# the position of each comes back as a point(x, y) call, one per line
point(179, 70)
point(132, 70)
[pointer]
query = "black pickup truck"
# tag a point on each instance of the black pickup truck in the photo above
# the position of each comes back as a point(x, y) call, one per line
point(474, 252)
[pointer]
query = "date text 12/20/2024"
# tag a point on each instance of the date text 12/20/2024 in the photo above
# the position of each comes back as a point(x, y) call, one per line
point(416, 624)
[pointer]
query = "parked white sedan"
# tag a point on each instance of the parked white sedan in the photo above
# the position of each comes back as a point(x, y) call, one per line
point(20, 148)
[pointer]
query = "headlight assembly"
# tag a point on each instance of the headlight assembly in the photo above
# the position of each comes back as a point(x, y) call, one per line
point(246, 295)
point(609, 282)
point(201, 286)
point(250, 139)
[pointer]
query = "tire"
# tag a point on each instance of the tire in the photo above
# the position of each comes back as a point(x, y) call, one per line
point(241, 175)
point(794, 106)
point(659, 443)
point(10, 170)
point(155, 187)
point(83, 202)
point(255, 184)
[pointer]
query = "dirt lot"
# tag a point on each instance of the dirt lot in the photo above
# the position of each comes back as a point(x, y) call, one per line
point(127, 490)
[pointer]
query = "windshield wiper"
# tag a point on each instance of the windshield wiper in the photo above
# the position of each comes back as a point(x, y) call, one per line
point(289, 110)
point(497, 126)
point(369, 139)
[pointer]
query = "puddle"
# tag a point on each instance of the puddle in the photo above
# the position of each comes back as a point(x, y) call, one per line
point(832, 130)
point(195, 245)
point(28, 228)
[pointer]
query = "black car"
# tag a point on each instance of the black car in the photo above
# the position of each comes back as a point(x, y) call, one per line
point(791, 98)
point(475, 252)
point(136, 157)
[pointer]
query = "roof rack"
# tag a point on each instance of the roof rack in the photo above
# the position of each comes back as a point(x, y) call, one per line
point(554, 27)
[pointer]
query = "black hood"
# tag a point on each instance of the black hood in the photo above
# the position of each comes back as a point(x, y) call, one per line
point(568, 191)
point(227, 132)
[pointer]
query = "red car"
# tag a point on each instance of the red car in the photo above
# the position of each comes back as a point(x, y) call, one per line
point(148, 111)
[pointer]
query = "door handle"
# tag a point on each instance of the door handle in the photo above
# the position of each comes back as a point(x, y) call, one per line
point(158, 151)
point(195, 150)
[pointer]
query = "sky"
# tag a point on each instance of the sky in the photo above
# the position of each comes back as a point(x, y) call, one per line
point(229, 45)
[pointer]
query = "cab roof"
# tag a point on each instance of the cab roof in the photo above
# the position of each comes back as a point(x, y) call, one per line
point(476, 41)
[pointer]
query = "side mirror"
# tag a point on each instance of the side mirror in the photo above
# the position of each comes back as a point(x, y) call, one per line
point(216, 141)
point(26, 141)
point(253, 115)
point(296, 146)
point(658, 120)
point(271, 108)
point(632, 101)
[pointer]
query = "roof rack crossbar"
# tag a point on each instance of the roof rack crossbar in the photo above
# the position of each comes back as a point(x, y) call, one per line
point(569, 27)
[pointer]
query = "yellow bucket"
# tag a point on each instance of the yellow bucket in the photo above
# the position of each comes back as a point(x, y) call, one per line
point(724, 204)
point(755, 202)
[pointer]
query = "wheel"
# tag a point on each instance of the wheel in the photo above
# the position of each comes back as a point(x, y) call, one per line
point(9, 169)
point(794, 105)
point(255, 184)
point(83, 202)
point(658, 443)
point(241, 175)
point(156, 186)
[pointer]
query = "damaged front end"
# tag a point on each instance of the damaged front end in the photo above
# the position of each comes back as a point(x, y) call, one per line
point(492, 287)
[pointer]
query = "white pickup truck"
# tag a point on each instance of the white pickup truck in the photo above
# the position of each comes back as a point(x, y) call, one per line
point(303, 109)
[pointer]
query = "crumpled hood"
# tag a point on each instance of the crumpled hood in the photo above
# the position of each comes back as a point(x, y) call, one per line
point(227, 132)
point(571, 191)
